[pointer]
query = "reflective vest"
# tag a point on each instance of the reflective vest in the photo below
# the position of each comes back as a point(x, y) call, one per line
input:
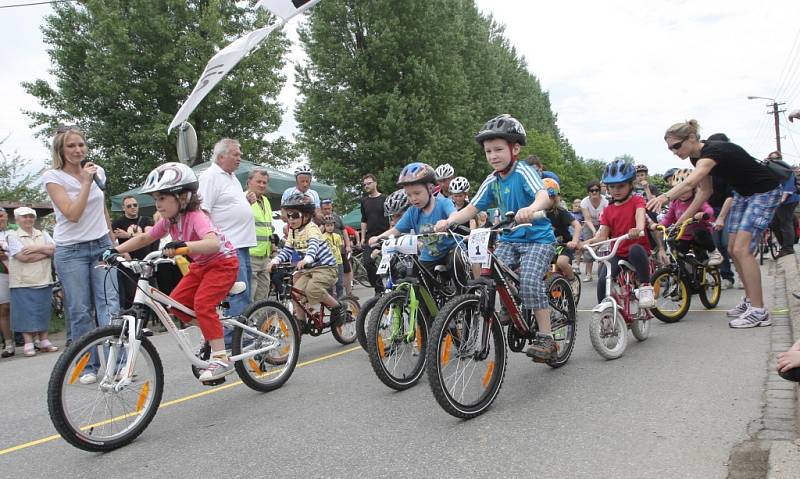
point(262, 212)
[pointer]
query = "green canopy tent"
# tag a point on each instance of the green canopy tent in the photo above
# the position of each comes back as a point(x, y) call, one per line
point(278, 182)
point(353, 218)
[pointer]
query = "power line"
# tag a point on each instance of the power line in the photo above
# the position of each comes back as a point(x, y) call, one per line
point(789, 68)
point(32, 4)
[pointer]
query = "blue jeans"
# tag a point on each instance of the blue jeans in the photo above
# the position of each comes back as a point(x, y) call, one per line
point(239, 302)
point(90, 294)
point(721, 242)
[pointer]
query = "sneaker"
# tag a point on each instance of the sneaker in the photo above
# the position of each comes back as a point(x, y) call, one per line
point(217, 368)
point(715, 258)
point(29, 350)
point(8, 351)
point(752, 318)
point(542, 348)
point(738, 284)
point(587, 279)
point(727, 283)
point(645, 296)
point(88, 378)
point(739, 309)
point(337, 315)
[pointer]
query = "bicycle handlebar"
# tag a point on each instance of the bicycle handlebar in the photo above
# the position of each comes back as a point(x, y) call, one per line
point(681, 227)
point(617, 241)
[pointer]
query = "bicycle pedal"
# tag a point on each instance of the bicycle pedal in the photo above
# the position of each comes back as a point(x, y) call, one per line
point(214, 382)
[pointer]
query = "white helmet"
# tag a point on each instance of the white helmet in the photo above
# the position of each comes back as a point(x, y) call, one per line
point(459, 185)
point(171, 178)
point(303, 170)
point(444, 172)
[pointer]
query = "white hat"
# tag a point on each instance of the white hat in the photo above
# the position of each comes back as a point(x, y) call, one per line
point(24, 210)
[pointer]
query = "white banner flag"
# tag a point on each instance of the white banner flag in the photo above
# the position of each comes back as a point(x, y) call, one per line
point(227, 58)
point(286, 9)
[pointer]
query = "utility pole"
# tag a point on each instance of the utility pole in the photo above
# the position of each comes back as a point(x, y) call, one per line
point(775, 111)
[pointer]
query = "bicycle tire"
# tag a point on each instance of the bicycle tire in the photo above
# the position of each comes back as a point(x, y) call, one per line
point(562, 303)
point(257, 371)
point(669, 287)
point(360, 275)
point(710, 296)
point(345, 333)
point(388, 355)
point(603, 325)
point(440, 348)
point(361, 329)
point(78, 355)
point(774, 247)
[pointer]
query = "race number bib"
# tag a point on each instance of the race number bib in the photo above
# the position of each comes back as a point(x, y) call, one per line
point(478, 245)
point(388, 249)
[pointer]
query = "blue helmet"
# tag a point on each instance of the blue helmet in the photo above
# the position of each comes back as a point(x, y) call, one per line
point(619, 171)
point(551, 175)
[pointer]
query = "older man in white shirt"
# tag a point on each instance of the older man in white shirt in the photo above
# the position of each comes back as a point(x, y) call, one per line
point(226, 203)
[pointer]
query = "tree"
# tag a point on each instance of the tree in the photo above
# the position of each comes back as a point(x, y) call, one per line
point(15, 183)
point(122, 68)
point(392, 82)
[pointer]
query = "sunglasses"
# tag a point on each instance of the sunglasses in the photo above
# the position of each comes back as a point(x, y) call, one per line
point(293, 215)
point(594, 190)
point(676, 146)
point(132, 206)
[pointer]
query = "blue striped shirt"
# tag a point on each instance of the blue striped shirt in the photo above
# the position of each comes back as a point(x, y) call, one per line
point(309, 243)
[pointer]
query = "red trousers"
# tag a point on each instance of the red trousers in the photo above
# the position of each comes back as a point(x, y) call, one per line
point(202, 290)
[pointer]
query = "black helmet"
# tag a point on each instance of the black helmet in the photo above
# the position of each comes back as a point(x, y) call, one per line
point(300, 202)
point(641, 168)
point(669, 174)
point(503, 126)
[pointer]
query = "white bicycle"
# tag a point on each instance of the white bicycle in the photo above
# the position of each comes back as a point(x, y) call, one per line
point(129, 380)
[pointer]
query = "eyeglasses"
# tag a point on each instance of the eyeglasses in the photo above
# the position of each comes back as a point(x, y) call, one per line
point(293, 215)
point(367, 183)
point(594, 190)
point(676, 146)
point(132, 206)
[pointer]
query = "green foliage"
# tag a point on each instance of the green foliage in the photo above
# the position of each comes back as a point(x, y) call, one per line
point(15, 183)
point(392, 82)
point(122, 68)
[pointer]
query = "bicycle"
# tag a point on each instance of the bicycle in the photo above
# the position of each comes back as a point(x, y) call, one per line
point(674, 284)
point(397, 328)
point(619, 310)
point(555, 271)
point(315, 322)
point(366, 308)
point(360, 275)
point(467, 357)
point(767, 243)
point(119, 406)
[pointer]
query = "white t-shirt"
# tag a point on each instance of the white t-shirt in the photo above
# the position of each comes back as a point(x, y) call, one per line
point(92, 223)
point(594, 213)
point(227, 204)
point(293, 189)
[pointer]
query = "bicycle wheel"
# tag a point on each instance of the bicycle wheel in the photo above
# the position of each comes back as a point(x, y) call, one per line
point(345, 332)
point(609, 337)
point(562, 319)
point(361, 329)
point(710, 287)
point(104, 415)
point(466, 362)
point(772, 244)
point(671, 293)
point(360, 275)
point(271, 369)
point(396, 351)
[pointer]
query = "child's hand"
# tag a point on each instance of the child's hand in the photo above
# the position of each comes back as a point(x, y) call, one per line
point(301, 264)
point(662, 258)
point(788, 360)
point(634, 233)
point(573, 244)
point(699, 216)
point(269, 266)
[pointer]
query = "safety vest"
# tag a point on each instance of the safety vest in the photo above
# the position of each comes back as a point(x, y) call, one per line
point(262, 212)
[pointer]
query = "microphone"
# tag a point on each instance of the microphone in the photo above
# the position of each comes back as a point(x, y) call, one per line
point(97, 181)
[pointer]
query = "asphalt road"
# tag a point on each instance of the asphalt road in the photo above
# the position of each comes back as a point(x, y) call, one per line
point(673, 406)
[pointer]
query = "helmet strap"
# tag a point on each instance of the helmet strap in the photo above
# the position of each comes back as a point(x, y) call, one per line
point(430, 196)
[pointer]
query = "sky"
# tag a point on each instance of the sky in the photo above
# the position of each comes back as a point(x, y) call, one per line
point(618, 72)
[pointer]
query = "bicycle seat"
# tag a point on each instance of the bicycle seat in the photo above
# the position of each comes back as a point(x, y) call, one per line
point(440, 268)
point(625, 264)
point(238, 287)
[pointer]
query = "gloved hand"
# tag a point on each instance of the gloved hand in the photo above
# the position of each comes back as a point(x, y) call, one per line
point(109, 256)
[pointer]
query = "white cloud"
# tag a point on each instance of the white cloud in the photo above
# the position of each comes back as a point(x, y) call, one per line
point(618, 72)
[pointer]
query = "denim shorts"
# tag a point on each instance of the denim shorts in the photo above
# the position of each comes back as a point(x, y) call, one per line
point(752, 214)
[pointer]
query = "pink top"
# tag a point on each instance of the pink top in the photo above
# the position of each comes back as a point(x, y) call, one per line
point(676, 209)
point(193, 226)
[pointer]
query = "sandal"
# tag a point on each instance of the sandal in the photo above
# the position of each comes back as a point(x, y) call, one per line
point(47, 347)
point(29, 350)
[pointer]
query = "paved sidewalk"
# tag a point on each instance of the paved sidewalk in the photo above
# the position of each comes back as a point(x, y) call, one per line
point(779, 424)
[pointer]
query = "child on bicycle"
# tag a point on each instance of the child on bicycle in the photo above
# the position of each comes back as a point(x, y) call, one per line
point(426, 208)
point(696, 236)
point(214, 266)
point(562, 220)
point(516, 186)
point(395, 205)
point(336, 244)
point(317, 265)
point(625, 214)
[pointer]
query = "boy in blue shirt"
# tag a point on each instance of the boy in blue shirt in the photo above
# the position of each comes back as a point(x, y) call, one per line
point(516, 186)
point(418, 181)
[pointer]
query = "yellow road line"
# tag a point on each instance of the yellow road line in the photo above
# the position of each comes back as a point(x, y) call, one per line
point(175, 401)
point(690, 311)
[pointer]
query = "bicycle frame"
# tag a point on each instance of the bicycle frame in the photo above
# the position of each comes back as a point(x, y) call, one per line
point(671, 237)
point(608, 301)
point(150, 297)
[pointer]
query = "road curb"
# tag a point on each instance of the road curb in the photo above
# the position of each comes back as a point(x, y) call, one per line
point(779, 423)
